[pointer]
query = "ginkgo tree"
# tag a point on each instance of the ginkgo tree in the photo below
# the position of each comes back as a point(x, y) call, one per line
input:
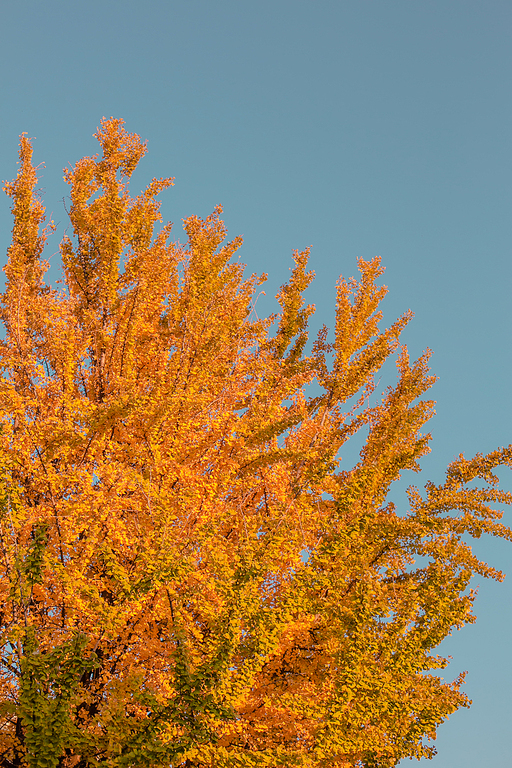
point(189, 575)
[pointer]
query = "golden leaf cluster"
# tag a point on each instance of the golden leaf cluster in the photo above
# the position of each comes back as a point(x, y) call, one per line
point(189, 575)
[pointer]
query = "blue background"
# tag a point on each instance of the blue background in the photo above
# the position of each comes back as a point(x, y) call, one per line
point(360, 128)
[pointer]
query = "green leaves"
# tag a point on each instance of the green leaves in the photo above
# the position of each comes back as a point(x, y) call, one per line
point(49, 682)
point(34, 558)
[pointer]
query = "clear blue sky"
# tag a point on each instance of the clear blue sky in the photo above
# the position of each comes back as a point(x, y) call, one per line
point(359, 127)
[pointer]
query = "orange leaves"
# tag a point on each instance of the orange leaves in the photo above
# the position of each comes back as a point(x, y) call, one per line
point(121, 150)
point(360, 350)
point(172, 491)
point(21, 302)
point(356, 322)
point(28, 212)
point(293, 320)
point(112, 222)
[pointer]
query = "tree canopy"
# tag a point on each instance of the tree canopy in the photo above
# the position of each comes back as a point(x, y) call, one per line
point(189, 575)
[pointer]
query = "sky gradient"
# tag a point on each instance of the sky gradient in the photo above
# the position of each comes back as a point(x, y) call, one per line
point(358, 127)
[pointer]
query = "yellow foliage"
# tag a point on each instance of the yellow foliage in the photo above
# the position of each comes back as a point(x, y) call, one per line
point(164, 467)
